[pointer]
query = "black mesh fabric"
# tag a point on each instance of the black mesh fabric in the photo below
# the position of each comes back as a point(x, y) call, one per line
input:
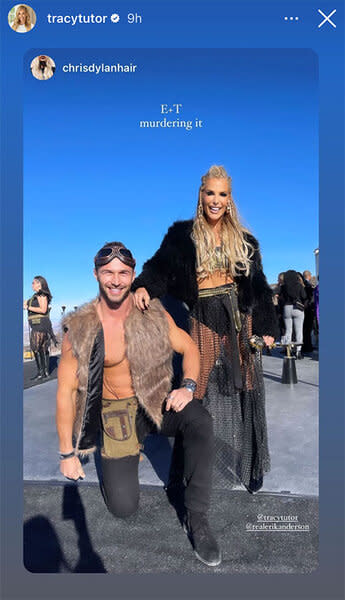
point(39, 340)
point(238, 412)
point(41, 335)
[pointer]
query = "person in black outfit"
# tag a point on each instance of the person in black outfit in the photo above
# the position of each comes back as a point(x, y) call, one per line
point(213, 264)
point(277, 303)
point(292, 298)
point(309, 313)
point(41, 331)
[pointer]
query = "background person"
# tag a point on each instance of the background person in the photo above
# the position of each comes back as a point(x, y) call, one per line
point(277, 304)
point(309, 313)
point(317, 312)
point(213, 264)
point(292, 298)
point(41, 331)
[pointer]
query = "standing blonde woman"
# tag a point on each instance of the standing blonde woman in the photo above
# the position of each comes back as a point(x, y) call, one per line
point(22, 20)
point(213, 264)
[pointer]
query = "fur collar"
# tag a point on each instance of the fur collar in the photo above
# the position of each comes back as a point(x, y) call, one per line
point(171, 271)
point(149, 353)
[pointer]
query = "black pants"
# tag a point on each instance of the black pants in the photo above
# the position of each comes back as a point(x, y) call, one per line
point(194, 425)
point(307, 329)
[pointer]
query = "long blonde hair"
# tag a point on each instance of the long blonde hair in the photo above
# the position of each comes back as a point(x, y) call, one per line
point(237, 250)
point(27, 18)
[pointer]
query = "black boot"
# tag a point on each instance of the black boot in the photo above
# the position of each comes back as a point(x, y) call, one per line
point(46, 363)
point(254, 485)
point(202, 539)
point(39, 364)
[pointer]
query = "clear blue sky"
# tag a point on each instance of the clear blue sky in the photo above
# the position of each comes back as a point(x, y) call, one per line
point(91, 175)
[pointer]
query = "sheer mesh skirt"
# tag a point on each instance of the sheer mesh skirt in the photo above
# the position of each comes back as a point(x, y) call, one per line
point(231, 387)
point(41, 336)
point(39, 341)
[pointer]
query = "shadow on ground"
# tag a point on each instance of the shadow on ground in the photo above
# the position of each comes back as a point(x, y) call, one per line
point(68, 529)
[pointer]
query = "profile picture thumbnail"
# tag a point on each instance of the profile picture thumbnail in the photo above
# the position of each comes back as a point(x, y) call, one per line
point(22, 18)
point(42, 67)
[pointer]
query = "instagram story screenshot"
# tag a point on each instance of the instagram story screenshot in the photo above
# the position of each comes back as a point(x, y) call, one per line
point(172, 323)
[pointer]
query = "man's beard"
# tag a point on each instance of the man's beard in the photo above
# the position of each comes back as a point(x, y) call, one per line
point(113, 303)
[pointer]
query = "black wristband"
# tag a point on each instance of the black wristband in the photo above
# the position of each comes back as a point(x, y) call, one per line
point(68, 455)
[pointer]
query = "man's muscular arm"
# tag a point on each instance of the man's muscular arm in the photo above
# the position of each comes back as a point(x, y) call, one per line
point(182, 343)
point(65, 410)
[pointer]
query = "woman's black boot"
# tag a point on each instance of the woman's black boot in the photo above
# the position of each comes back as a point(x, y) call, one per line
point(39, 364)
point(45, 363)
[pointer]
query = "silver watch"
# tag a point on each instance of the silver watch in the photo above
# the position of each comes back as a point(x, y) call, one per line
point(189, 384)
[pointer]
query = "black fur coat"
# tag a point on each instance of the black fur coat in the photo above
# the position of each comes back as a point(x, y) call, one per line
point(172, 271)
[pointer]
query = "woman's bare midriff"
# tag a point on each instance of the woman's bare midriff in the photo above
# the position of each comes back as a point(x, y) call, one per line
point(217, 279)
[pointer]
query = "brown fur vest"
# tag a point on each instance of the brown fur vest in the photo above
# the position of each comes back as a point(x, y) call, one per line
point(149, 353)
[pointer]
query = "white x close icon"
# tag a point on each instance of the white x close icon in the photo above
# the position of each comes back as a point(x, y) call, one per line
point(327, 18)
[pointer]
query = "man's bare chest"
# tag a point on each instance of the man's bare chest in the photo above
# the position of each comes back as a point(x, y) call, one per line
point(114, 344)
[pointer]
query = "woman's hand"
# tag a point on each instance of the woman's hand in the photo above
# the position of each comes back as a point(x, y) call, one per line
point(25, 305)
point(268, 339)
point(142, 298)
point(71, 468)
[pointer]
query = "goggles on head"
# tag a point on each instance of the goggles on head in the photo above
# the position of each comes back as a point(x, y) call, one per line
point(108, 253)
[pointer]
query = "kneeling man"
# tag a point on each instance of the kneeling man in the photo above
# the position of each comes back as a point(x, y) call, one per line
point(115, 375)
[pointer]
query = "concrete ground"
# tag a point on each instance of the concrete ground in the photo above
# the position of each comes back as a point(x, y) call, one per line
point(292, 416)
point(68, 529)
point(100, 543)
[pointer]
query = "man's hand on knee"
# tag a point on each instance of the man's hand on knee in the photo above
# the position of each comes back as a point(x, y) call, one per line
point(178, 399)
point(71, 468)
